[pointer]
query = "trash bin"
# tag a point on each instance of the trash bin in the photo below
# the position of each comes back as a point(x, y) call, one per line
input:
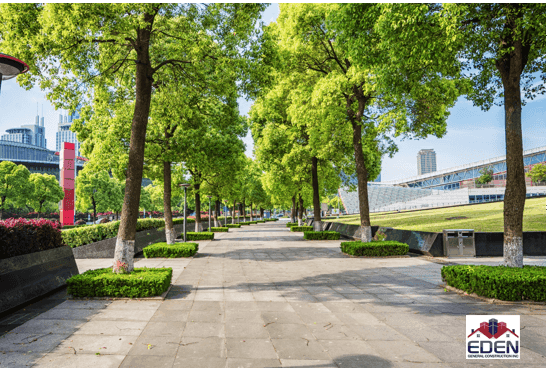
point(459, 242)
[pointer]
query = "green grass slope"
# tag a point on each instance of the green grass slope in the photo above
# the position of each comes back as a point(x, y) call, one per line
point(481, 217)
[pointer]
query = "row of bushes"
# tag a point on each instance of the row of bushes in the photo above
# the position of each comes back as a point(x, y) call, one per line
point(321, 235)
point(165, 250)
point(205, 235)
point(89, 234)
point(233, 226)
point(504, 283)
point(290, 224)
point(301, 228)
point(374, 248)
point(218, 229)
point(21, 236)
point(142, 282)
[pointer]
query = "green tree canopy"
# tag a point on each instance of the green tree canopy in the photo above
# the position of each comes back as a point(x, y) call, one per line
point(45, 189)
point(14, 184)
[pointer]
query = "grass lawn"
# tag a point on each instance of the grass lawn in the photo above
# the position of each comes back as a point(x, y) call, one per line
point(481, 217)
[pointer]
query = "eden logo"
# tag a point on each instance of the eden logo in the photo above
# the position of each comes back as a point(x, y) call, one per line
point(492, 337)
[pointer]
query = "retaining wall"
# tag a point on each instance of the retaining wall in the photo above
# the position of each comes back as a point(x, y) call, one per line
point(105, 248)
point(32, 275)
point(486, 244)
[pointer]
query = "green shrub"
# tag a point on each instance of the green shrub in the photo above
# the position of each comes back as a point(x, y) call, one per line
point(21, 236)
point(289, 224)
point(500, 282)
point(180, 221)
point(218, 229)
point(199, 236)
point(301, 228)
point(102, 282)
point(252, 222)
point(321, 235)
point(176, 250)
point(83, 235)
point(271, 219)
point(235, 226)
point(374, 248)
point(260, 221)
point(245, 223)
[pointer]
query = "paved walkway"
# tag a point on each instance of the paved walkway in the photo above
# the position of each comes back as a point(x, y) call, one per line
point(261, 296)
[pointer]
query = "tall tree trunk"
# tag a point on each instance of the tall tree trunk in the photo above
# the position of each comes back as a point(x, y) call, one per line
point(125, 242)
point(234, 213)
point(261, 214)
point(170, 235)
point(510, 68)
point(299, 209)
point(293, 209)
point(244, 211)
point(251, 211)
point(362, 178)
point(317, 226)
point(197, 199)
point(302, 209)
point(216, 213)
point(94, 209)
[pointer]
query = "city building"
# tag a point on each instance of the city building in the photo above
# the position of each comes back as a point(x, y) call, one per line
point(27, 146)
point(33, 134)
point(453, 186)
point(427, 161)
point(64, 134)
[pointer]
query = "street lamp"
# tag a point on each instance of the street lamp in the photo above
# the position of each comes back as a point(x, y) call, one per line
point(10, 67)
point(185, 186)
point(209, 212)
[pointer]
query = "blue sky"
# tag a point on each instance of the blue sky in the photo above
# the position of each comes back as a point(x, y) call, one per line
point(472, 135)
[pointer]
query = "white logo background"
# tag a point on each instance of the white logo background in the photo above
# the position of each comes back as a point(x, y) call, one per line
point(482, 347)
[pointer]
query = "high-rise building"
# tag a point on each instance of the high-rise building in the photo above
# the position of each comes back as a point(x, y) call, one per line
point(427, 161)
point(33, 134)
point(64, 134)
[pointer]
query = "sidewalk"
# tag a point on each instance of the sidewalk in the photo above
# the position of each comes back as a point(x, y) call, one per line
point(261, 296)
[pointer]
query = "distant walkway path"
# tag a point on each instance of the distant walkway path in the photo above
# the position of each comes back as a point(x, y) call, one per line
point(261, 296)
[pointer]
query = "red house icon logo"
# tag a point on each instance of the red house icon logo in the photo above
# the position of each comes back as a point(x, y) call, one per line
point(492, 329)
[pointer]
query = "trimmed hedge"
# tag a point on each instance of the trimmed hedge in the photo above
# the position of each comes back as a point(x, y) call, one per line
point(22, 236)
point(233, 226)
point(89, 234)
point(260, 221)
point(289, 224)
point(252, 222)
point(374, 248)
point(301, 228)
point(321, 235)
point(165, 250)
point(245, 223)
point(102, 282)
point(199, 236)
point(180, 221)
point(271, 219)
point(499, 282)
point(218, 229)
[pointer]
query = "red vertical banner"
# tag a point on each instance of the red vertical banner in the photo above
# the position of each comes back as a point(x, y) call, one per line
point(67, 164)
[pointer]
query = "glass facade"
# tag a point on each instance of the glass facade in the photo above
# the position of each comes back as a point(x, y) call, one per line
point(427, 161)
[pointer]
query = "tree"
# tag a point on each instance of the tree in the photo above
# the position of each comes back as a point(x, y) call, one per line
point(499, 48)
point(14, 184)
point(487, 175)
point(97, 191)
point(45, 189)
point(537, 174)
point(73, 48)
point(351, 100)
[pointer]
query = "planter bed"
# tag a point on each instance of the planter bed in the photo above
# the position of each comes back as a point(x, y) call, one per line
point(233, 226)
point(301, 228)
point(498, 282)
point(374, 248)
point(321, 235)
point(164, 250)
point(142, 282)
point(218, 229)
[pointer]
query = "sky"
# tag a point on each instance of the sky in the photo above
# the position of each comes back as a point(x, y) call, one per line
point(472, 134)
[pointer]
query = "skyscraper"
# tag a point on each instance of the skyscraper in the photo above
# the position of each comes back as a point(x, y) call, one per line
point(33, 134)
point(427, 161)
point(64, 134)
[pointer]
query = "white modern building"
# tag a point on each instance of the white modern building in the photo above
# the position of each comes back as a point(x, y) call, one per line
point(64, 134)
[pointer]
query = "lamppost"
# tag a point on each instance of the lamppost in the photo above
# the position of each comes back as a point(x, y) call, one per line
point(225, 214)
point(239, 214)
point(10, 67)
point(185, 186)
point(209, 212)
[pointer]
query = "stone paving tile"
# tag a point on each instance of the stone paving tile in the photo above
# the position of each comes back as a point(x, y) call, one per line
point(92, 344)
point(156, 361)
point(299, 349)
point(106, 328)
point(27, 341)
point(19, 359)
point(401, 351)
point(250, 348)
point(204, 329)
point(80, 361)
point(252, 363)
point(247, 330)
point(198, 347)
point(293, 363)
